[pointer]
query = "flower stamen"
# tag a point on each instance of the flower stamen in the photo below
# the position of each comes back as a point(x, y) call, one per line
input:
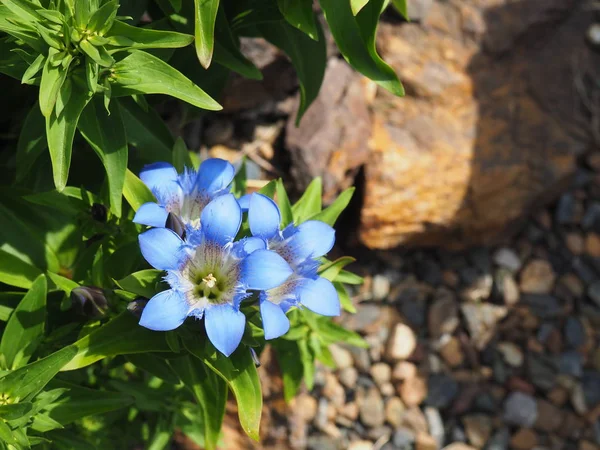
point(210, 280)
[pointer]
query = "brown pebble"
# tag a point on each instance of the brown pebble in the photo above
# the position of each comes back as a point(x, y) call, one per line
point(592, 245)
point(404, 370)
point(575, 243)
point(534, 345)
point(554, 341)
point(587, 445)
point(524, 439)
point(413, 391)
point(537, 277)
point(521, 385)
point(451, 352)
point(424, 441)
point(549, 418)
point(450, 278)
point(558, 396)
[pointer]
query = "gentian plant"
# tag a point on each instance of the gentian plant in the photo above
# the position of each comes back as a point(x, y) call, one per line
point(126, 321)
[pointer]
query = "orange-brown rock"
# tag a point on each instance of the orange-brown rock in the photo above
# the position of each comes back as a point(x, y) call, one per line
point(487, 130)
point(331, 141)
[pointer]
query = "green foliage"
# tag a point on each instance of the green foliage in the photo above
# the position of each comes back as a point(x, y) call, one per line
point(76, 369)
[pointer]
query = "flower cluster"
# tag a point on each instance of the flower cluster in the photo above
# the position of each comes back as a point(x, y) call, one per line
point(210, 273)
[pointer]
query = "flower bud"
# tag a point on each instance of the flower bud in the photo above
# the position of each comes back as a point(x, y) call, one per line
point(89, 301)
point(136, 307)
point(175, 223)
point(99, 212)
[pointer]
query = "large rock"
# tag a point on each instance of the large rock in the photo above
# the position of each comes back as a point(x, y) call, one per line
point(489, 127)
point(331, 141)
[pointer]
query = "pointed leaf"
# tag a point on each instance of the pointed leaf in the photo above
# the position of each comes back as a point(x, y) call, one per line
point(309, 58)
point(142, 73)
point(357, 5)
point(105, 133)
point(136, 37)
point(330, 214)
point(310, 202)
point(32, 141)
point(285, 207)
point(16, 272)
point(205, 14)
point(53, 78)
point(120, 336)
point(27, 381)
point(135, 191)
point(240, 373)
point(210, 391)
point(60, 132)
point(142, 283)
point(355, 37)
point(299, 13)
point(25, 327)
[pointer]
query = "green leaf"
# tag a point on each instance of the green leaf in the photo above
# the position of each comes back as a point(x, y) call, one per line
point(292, 370)
point(78, 402)
point(332, 269)
point(210, 391)
point(330, 214)
point(299, 13)
point(105, 133)
point(307, 358)
point(332, 333)
point(269, 189)
point(33, 69)
point(32, 141)
point(62, 283)
point(60, 131)
point(25, 327)
point(156, 366)
point(142, 283)
point(142, 73)
point(357, 5)
point(6, 434)
point(146, 131)
point(98, 54)
point(309, 58)
point(401, 7)
point(53, 78)
point(102, 19)
point(238, 187)
point(131, 37)
point(310, 202)
point(135, 191)
point(227, 50)
point(240, 373)
point(8, 303)
point(181, 156)
point(16, 272)
point(27, 381)
point(355, 37)
point(205, 14)
point(15, 411)
point(285, 207)
point(120, 336)
point(345, 300)
point(348, 278)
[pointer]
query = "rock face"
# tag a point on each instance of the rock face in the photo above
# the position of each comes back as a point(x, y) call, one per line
point(487, 130)
point(332, 138)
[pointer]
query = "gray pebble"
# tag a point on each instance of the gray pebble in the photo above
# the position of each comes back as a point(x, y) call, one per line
point(520, 409)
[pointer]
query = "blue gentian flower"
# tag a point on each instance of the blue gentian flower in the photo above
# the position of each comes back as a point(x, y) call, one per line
point(209, 274)
point(299, 246)
point(183, 195)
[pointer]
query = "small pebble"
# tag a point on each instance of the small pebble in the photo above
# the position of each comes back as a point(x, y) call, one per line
point(507, 258)
point(402, 342)
point(537, 277)
point(381, 373)
point(380, 287)
point(520, 409)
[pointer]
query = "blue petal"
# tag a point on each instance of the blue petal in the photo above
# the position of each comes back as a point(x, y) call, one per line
point(312, 239)
point(244, 202)
point(263, 216)
point(264, 269)
point(275, 322)
point(251, 244)
point(165, 311)
point(214, 174)
point(224, 327)
point(160, 175)
point(151, 214)
point(162, 248)
point(320, 296)
point(221, 219)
